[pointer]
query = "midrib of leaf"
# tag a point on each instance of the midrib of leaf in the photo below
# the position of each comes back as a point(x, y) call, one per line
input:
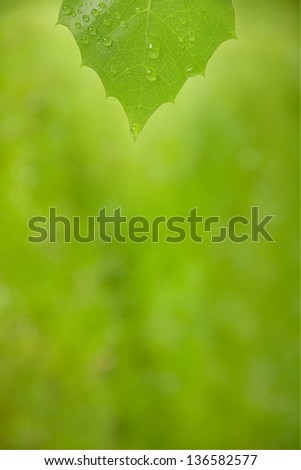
point(148, 15)
point(148, 10)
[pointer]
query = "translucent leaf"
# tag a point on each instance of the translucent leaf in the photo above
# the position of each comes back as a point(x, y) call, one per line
point(145, 50)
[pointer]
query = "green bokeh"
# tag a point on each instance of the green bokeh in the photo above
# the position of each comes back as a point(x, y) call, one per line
point(154, 345)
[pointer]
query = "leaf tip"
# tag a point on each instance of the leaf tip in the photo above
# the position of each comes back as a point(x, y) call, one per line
point(59, 22)
point(233, 34)
point(135, 130)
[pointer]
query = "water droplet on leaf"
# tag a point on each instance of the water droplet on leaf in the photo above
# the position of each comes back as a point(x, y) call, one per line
point(107, 42)
point(153, 50)
point(135, 129)
point(151, 74)
point(190, 70)
point(85, 39)
point(67, 10)
point(92, 31)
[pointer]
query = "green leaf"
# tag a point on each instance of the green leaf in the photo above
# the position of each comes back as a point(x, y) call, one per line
point(145, 50)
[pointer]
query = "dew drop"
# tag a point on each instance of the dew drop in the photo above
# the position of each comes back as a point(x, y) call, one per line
point(106, 22)
point(117, 16)
point(86, 18)
point(92, 31)
point(67, 10)
point(94, 12)
point(153, 50)
point(102, 5)
point(78, 25)
point(151, 74)
point(85, 39)
point(190, 70)
point(135, 129)
point(107, 42)
point(191, 37)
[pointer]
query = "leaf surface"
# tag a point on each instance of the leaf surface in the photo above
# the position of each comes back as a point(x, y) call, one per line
point(145, 50)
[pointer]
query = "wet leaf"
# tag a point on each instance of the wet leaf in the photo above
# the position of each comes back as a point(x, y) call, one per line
point(145, 50)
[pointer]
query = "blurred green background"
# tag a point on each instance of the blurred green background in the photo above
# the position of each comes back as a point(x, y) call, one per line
point(149, 346)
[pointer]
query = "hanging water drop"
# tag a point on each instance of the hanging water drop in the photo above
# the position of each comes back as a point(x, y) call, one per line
point(94, 12)
point(86, 18)
point(135, 129)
